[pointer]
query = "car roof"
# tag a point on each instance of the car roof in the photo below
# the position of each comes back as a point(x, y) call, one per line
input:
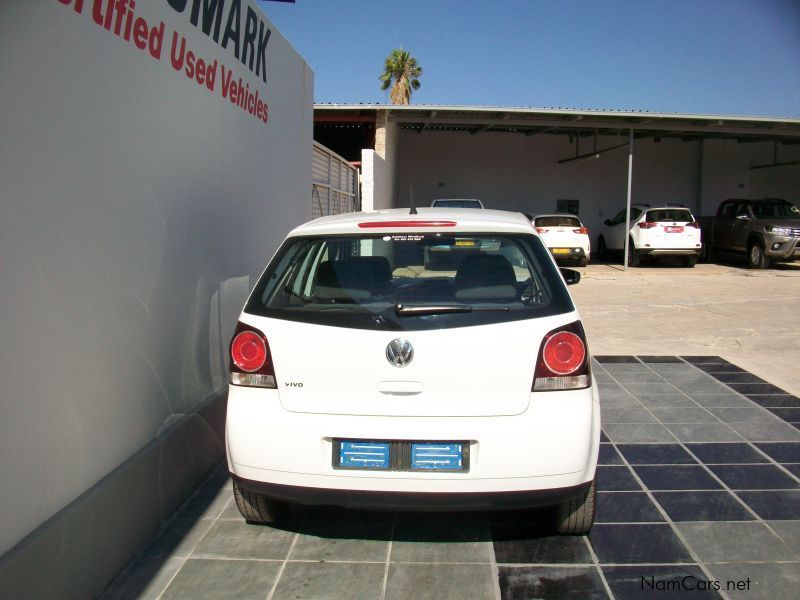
point(474, 220)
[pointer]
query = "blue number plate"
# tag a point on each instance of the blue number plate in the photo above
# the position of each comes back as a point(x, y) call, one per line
point(435, 457)
point(364, 455)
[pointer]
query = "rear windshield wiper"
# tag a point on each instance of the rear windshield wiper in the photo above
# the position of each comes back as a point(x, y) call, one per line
point(403, 310)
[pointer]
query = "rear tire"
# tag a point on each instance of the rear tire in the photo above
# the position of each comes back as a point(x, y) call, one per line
point(689, 261)
point(633, 258)
point(575, 516)
point(257, 508)
point(582, 262)
point(756, 258)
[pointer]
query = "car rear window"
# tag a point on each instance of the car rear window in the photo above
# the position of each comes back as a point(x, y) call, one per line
point(557, 222)
point(410, 281)
point(668, 214)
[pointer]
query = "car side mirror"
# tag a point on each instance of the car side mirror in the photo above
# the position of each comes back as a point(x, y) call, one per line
point(743, 217)
point(571, 276)
point(607, 222)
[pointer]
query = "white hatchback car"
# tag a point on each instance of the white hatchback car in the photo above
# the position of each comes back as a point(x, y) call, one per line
point(565, 236)
point(655, 231)
point(432, 361)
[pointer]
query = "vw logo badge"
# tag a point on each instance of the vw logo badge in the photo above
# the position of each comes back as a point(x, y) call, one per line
point(399, 352)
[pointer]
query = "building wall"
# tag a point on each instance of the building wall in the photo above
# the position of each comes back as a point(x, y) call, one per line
point(519, 173)
point(138, 206)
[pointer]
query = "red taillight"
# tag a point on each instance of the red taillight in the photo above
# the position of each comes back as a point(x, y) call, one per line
point(409, 223)
point(563, 353)
point(541, 229)
point(563, 362)
point(251, 363)
point(249, 351)
point(694, 224)
point(582, 230)
point(647, 225)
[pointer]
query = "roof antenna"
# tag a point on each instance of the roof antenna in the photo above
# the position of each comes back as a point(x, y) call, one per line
point(413, 210)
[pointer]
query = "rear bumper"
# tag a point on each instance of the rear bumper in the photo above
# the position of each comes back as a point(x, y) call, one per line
point(668, 251)
point(412, 501)
point(574, 252)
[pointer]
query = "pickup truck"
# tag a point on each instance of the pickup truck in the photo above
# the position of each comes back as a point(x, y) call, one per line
point(764, 231)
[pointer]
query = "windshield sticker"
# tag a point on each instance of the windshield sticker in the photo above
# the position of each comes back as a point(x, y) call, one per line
point(403, 238)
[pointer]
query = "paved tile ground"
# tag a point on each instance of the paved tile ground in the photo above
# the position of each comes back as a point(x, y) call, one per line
point(699, 497)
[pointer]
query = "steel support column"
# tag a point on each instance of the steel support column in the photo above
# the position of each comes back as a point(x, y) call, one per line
point(628, 204)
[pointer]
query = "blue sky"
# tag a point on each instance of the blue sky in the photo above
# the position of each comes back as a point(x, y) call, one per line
point(737, 57)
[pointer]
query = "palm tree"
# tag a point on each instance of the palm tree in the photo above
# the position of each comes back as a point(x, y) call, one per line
point(401, 72)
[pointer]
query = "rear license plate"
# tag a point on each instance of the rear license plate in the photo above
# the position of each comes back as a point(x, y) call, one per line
point(673, 229)
point(436, 457)
point(401, 455)
point(364, 455)
point(560, 250)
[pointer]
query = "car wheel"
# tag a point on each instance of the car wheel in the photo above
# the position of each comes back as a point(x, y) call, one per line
point(576, 515)
point(689, 261)
point(602, 251)
point(633, 258)
point(582, 262)
point(706, 253)
point(756, 257)
point(257, 508)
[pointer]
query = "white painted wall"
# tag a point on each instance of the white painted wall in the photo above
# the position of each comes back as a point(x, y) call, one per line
point(376, 190)
point(137, 208)
point(727, 172)
point(515, 172)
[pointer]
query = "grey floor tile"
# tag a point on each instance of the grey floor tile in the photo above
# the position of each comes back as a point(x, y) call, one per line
point(640, 543)
point(758, 581)
point(728, 399)
point(651, 388)
point(432, 537)
point(179, 538)
point(726, 453)
point(579, 583)
point(237, 539)
point(616, 368)
point(676, 477)
point(440, 582)
point(618, 401)
point(683, 414)
point(666, 401)
point(704, 432)
point(656, 454)
point(616, 479)
point(144, 579)
point(626, 507)
point(719, 505)
point(643, 582)
point(330, 581)
point(767, 432)
point(644, 432)
point(627, 415)
point(710, 386)
point(789, 531)
point(744, 414)
point(715, 542)
point(206, 503)
point(537, 545)
point(330, 534)
point(201, 579)
point(647, 377)
point(783, 505)
point(754, 477)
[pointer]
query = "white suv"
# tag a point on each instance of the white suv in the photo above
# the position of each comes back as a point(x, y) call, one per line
point(432, 361)
point(655, 231)
point(565, 236)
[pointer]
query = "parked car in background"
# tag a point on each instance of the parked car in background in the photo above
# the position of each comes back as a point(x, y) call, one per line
point(565, 236)
point(348, 371)
point(457, 203)
point(669, 230)
point(763, 230)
